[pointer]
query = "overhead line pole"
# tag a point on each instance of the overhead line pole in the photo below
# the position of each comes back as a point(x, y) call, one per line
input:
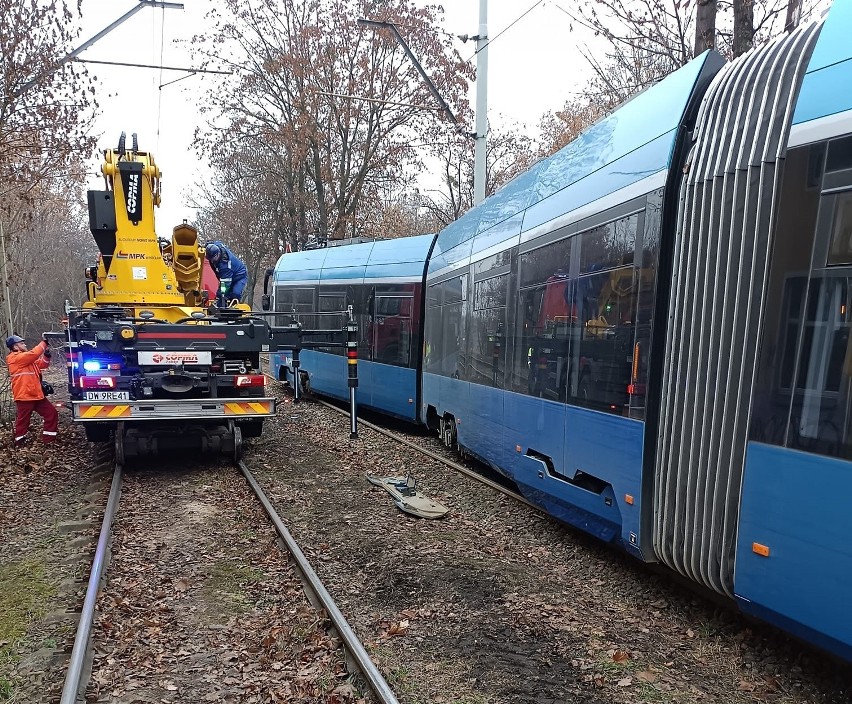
point(86, 44)
point(479, 165)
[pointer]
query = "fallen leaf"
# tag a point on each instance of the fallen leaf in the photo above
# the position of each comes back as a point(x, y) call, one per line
point(646, 676)
point(625, 682)
point(620, 656)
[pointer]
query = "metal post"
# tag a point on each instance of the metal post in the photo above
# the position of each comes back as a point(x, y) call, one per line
point(481, 104)
point(85, 45)
point(352, 365)
point(296, 375)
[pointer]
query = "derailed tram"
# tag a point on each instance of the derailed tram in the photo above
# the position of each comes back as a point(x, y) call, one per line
point(649, 331)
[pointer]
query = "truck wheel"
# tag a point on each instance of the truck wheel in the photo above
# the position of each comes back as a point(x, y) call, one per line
point(238, 443)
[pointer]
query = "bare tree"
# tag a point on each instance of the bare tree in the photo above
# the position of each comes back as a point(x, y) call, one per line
point(743, 26)
point(794, 13)
point(51, 248)
point(327, 110)
point(508, 153)
point(650, 39)
point(705, 25)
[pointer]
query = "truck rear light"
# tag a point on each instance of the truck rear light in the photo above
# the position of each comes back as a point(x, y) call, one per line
point(249, 380)
point(97, 382)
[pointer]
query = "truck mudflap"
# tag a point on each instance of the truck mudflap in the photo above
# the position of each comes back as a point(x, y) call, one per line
point(169, 409)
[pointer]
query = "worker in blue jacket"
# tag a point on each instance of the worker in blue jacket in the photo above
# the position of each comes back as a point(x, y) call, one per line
point(230, 271)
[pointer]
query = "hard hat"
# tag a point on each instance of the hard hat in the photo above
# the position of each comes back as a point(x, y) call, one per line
point(214, 251)
point(13, 340)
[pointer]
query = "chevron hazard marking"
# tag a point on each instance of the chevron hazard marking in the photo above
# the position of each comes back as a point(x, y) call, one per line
point(242, 408)
point(101, 411)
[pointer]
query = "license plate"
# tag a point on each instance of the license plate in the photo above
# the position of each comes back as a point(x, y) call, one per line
point(107, 395)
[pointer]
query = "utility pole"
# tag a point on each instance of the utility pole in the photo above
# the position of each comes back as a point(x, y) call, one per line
point(479, 170)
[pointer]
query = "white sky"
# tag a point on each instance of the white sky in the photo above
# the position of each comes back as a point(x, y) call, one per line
point(533, 67)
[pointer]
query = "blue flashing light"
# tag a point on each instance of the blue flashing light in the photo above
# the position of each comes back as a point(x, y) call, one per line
point(91, 366)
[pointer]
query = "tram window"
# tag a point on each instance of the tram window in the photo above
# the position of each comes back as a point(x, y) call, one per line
point(361, 296)
point(391, 330)
point(452, 342)
point(490, 293)
point(299, 301)
point(609, 245)
point(454, 290)
point(821, 416)
point(840, 251)
point(433, 296)
point(546, 323)
point(839, 154)
point(546, 262)
point(486, 362)
point(331, 302)
point(794, 300)
point(601, 356)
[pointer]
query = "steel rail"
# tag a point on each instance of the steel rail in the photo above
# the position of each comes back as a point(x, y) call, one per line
point(366, 666)
point(435, 456)
point(71, 687)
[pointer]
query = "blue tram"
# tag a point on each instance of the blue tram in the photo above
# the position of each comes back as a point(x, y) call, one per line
point(649, 331)
point(383, 282)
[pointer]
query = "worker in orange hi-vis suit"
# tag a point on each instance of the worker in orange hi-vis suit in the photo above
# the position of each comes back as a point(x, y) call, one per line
point(25, 372)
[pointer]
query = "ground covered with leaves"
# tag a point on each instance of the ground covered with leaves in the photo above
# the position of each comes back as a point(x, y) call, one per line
point(200, 603)
point(497, 603)
point(42, 488)
point(493, 603)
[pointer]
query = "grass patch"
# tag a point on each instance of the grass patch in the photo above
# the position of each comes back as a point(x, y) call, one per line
point(227, 585)
point(24, 596)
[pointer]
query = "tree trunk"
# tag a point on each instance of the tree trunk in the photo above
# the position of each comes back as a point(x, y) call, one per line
point(794, 14)
point(705, 25)
point(743, 26)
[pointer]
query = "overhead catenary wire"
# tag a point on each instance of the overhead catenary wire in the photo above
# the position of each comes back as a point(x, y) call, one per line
point(488, 42)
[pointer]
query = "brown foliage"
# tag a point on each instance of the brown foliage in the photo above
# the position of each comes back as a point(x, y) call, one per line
point(321, 164)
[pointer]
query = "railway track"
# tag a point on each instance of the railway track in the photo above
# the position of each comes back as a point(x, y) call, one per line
point(467, 471)
point(80, 666)
point(499, 603)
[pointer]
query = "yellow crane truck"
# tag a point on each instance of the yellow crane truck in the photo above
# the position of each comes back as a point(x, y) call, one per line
point(152, 363)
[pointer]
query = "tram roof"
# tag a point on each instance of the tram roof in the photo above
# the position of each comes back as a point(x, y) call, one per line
point(633, 143)
point(404, 257)
point(827, 86)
